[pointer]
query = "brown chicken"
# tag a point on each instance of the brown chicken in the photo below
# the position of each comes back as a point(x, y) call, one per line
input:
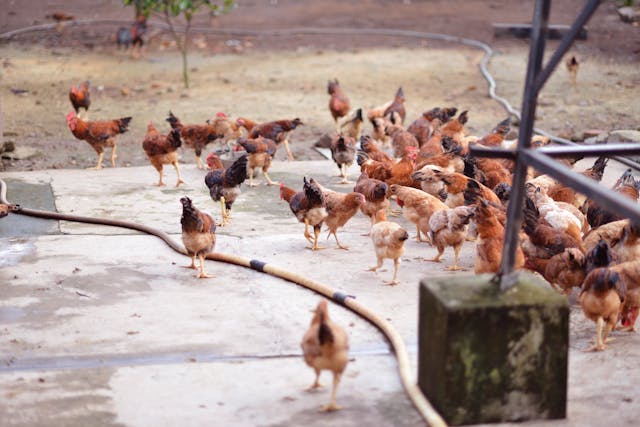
point(563, 271)
point(308, 206)
point(400, 139)
point(417, 207)
point(80, 97)
point(449, 228)
point(397, 106)
point(226, 127)
point(343, 153)
point(450, 159)
point(628, 248)
point(277, 130)
point(563, 193)
point(496, 137)
point(325, 346)
point(454, 128)
point(378, 132)
point(339, 104)
point(491, 241)
point(341, 208)
point(611, 233)
point(373, 151)
point(425, 125)
point(602, 296)
point(430, 182)
point(630, 274)
point(353, 127)
point(99, 134)
point(198, 234)
point(625, 185)
point(162, 150)
point(455, 183)
point(572, 68)
point(261, 151)
point(194, 136)
point(375, 194)
point(388, 241)
point(224, 184)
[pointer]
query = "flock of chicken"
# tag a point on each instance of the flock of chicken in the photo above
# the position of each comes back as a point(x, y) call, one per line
point(427, 169)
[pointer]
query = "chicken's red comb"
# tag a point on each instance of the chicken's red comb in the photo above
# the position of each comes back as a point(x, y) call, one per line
point(70, 115)
point(221, 114)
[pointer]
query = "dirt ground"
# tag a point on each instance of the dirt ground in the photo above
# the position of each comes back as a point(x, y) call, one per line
point(268, 78)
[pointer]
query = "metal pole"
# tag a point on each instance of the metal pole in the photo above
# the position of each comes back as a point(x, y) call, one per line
point(529, 102)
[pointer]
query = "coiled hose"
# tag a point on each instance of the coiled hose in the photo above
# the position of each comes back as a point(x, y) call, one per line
point(404, 366)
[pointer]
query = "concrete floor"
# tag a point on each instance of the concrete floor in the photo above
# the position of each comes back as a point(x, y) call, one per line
point(100, 326)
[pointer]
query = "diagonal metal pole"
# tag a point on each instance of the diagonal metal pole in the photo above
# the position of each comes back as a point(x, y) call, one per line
point(506, 274)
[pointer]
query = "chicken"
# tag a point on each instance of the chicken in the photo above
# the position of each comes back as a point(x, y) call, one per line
point(388, 241)
point(611, 233)
point(325, 346)
point(455, 183)
point(162, 150)
point(599, 256)
point(545, 240)
point(353, 127)
point(80, 97)
point(132, 35)
point(396, 106)
point(491, 241)
point(401, 170)
point(343, 151)
point(625, 185)
point(339, 104)
point(602, 296)
point(417, 207)
point(372, 150)
point(198, 234)
point(226, 127)
point(194, 136)
point(629, 274)
point(492, 171)
point(572, 68)
point(454, 128)
point(308, 206)
point(565, 270)
point(260, 153)
point(559, 218)
point(400, 139)
point(375, 194)
point(341, 208)
point(424, 126)
point(563, 193)
point(277, 130)
point(448, 227)
point(449, 159)
point(99, 134)
point(224, 184)
point(378, 132)
point(495, 138)
point(628, 248)
point(429, 178)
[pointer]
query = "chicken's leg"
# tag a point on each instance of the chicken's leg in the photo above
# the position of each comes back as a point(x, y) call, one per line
point(193, 263)
point(269, 182)
point(456, 253)
point(202, 274)
point(223, 212)
point(316, 233)
point(251, 184)
point(332, 406)
point(340, 246)
point(394, 280)
point(180, 181)
point(160, 183)
point(599, 346)
point(99, 165)
point(286, 146)
point(306, 231)
point(113, 156)
point(343, 174)
point(437, 257)
point(316, 384)
point(199, 162)
point(375, 267)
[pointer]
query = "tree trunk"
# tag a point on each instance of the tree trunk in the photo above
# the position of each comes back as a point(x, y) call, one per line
point(185, 47)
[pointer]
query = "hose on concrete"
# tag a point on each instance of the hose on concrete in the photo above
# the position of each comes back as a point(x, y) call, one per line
point(418, 399)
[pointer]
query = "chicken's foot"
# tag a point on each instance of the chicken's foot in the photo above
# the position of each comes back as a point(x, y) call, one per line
point(286, 146)
point(316, 384)
point(199, 162)
point(269, 182)
point(332, 406)
point(99, 165)
point(599, 346)
point(340, 246)
point(394, 280)
point(193, 263)
point(251, 183)
point(203, 274)
point(113, 156)
point(180, 181)
point(456, 253)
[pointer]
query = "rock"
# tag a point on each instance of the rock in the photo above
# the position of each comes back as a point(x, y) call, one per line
point(588, 133)
point(624, 135)
point(323, 142)
point(629, 14)
point(7, 147)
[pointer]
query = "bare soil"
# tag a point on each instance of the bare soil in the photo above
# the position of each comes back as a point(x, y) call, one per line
point(268, 78)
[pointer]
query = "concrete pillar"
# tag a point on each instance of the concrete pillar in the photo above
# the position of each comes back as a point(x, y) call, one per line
point(486, 356)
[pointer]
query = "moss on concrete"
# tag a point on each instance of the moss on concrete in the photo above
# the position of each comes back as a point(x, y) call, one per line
point(487, 356)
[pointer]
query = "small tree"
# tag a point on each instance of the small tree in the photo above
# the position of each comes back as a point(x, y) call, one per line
point(172, 9)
